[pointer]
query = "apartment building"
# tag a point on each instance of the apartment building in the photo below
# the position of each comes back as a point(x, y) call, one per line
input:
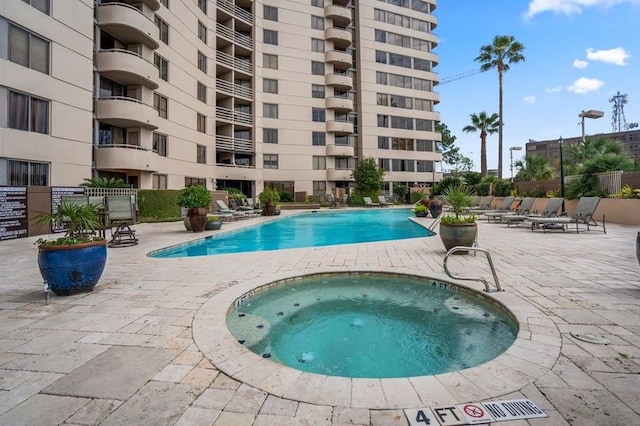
point(244, 94)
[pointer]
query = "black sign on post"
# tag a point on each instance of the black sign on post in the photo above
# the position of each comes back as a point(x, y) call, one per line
point(13, 212)
point(57, 192)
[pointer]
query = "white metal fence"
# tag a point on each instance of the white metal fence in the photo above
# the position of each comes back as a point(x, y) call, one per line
point(611, 182)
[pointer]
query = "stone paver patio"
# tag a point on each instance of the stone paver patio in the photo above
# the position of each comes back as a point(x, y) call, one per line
point(141, 348)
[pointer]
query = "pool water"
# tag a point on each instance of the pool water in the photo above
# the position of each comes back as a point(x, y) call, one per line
point(371, 326)
point(312, 229)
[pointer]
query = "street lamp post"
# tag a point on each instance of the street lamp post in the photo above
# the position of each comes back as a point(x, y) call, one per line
point(561, 175)
point(592, 113)
point(513, 148)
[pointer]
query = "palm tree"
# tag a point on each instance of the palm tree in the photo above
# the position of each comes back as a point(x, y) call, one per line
point(486, 125)
point(503, 51)
point(534, 167)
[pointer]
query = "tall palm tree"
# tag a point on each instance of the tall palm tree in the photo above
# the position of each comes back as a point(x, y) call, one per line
point(503, 51)
point(486, 125)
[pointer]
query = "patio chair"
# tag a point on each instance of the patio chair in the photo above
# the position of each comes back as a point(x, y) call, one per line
point(582, 215)
point(484, 205)
point(519, 215)
point(120, 213)
point(503, 209)
point(225, 210)
point(369, 203)
point(549, 210)
point(382, 200)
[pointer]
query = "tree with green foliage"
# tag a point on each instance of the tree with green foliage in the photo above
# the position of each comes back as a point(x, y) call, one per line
point(368, 177)
point(446, 146)
point(486, 125)
point(103, 182)
point(534, 167)
point(401, 192)
point(504, 50)
point(597, 155)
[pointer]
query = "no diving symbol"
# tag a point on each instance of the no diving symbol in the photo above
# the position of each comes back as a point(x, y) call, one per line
point(473, 411)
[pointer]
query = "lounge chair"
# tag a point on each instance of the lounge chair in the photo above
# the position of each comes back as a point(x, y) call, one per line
point(369, 203)
point(582, 215)
point(382, 200)
point(484, 205)
point(225, 210)
point(503, 209)
point(520, 215)
point(120, 213)
point(550, 210)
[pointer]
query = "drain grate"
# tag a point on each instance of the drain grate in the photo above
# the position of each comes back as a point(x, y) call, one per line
point(597, 339)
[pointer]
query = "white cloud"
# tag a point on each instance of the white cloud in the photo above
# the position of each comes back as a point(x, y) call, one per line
point(529, 99)
point(569, 7)
point(556, 89)
point(616, 56)
point(577, 63)
point(585, 85)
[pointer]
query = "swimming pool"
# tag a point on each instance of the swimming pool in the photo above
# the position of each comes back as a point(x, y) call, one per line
point(309, 229)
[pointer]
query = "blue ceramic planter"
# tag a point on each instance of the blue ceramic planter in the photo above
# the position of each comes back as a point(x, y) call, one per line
point(72, 269)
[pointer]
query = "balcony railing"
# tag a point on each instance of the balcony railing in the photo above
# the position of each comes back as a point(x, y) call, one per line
point(233, 89)
point(236, 11)
point(233, 62)
point(234, 36)
point(231, 144)
point(234, 116)
point(127, 67)
point(126, 157)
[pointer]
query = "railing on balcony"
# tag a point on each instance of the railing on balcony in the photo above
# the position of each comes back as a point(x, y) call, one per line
point(231, 144)
point(233, 89)
point(126, 146)
point(234, 36)
point(235, 10)
point(235, 116)
point(233, 62)
point(238, 166)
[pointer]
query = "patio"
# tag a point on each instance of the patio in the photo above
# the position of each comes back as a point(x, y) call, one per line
point(135, 351)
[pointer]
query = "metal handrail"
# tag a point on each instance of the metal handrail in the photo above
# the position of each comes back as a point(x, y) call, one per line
point(487, 287)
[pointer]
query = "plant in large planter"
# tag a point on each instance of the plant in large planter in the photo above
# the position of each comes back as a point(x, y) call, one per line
point(269, 198)
point(458, 229)
point(213, 223)
point(420, 210)
point(73, 263)
point(196, 199)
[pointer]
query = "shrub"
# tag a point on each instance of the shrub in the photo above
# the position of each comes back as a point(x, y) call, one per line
point(401, 191)
point(502, 188)
point(194, 196)
point(158, 204)
point(482, 188)
point(286, 197)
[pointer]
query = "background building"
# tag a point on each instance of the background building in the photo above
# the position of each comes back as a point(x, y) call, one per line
point(163, 94)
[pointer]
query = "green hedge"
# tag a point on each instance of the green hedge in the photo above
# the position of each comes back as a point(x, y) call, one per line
point(155, 205)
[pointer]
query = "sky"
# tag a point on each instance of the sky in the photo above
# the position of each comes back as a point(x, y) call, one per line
point(578, 55)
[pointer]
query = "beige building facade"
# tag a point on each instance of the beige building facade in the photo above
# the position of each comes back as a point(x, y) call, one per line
point(244, 94)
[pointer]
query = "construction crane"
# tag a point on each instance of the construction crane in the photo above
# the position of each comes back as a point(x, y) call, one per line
point(618, 120)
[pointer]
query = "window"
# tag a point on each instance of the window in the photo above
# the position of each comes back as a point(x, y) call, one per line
point(317, 45)
point(270, 161)
point(317, 22)
point(319, 187)
point(401, 101)
point(424, 166)
point(381, 77)
point(201, 153)
point(318, 114)
point(402, 165)
point(402, 144)
point(319, 162)
point(383, 142)
point(202, 92)
point(382, 99)
point(202, 4)
point(202, 32)
point(22, 173)
point(202, 62)
point(163, 66)
point(318, 138)
point(270, 135)
point(42, 5)
point(28, 49)
point(317, 3)
point(159, 181)
point(424, 145)
point(384, 164)
point(160, 103)
point(399, 60)
point(189, 181)
point(270, 13)
point(201, 123)
point(383, 120)
point(160, 144)
point(28, 113)
point(317, 91)
point(401, 123)
point(381, 57)
point(270, 110)
point(270, 85)
point(164, 29)
point(424, 125)
point(270, 61)
point(421, 64)
point(317, 68)
point(345, 163)
point(381, 36)
point(270, 37)
point(423, 104)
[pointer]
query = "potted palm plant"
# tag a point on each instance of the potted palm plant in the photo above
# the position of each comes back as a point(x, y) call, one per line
point(73, 263)
point(196, 199)
point(269, 198)
point(458, 228)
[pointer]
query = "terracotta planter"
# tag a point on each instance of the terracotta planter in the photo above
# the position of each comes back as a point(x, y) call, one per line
point(269, 209)
point(458, 234)
point(197, 218)
point(435, 208)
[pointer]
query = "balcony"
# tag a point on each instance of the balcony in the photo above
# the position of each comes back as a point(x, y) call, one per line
point(126, 157)
point(231, 116)
point(339, 59)
point(235, 172)
point(341, 2)
point(152, 4)
point(339, 127)
point(341, 16)
point(127, 67)
point(128, 24)
point(231, 144)
point(339, 104)
point(342, 82)
point(340, 151)
point(340, 37)
point(232, 89)
point(339, 175)
point(237, 64)
point(234, 36)
point(126, 112)
point(235, 11)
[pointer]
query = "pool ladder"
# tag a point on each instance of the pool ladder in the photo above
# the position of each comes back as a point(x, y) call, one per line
point(487, 286)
